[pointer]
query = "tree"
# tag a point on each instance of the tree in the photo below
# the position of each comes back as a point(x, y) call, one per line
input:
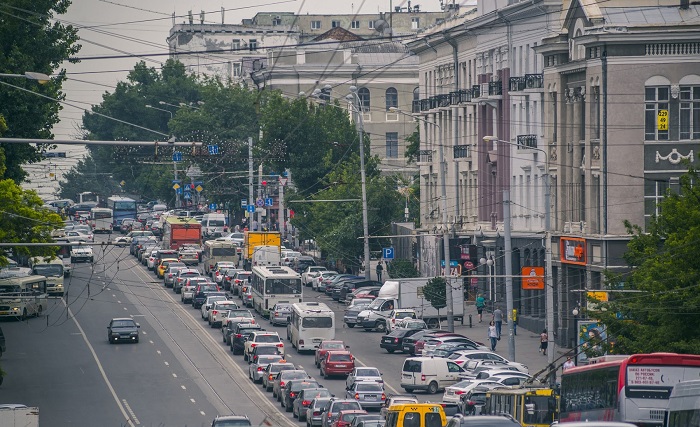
point(435, 291)
point(32, 40)
point(401, 269)
point(661, 311)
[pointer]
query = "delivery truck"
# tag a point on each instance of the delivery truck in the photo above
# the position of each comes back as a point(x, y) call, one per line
point(251, 239)
point(408, 294)
point(178, 231)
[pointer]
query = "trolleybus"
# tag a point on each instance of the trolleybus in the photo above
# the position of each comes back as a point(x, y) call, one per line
point(530, 406)
point(102, 220)
point(122, 208)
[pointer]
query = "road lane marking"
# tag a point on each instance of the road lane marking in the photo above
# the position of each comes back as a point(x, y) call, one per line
point(192, 400)
point(174, 375)
point(158, 351)
point(151, 341)
point(119, 302)
point(203, 414)
point(133, 415)
point(183, 387)
point(166, 363)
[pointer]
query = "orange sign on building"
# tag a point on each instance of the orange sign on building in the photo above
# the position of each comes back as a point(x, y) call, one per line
point(533, 278)
point(572, 250)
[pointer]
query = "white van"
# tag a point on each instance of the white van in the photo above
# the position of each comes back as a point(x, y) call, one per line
point(429, 373)
point(266, 255)
point(213, 225)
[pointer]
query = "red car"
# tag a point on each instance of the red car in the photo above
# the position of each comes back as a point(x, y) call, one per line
point(345, 417)
point(337, 362)
point(421, 342)
point(323, 349)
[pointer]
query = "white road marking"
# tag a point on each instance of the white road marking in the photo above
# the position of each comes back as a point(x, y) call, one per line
point(151, 341)
point(114, 295)
point(144, 332)
point(203, 414)
point(192, 400)
point(166, 363)
point(119, 302)
point(133, 415)
point(158, 351)
point(174, 375)
point(183, 387)
point(125, 308)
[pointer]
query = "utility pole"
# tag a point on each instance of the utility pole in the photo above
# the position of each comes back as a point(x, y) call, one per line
point(177, 195)
point(509, 274)
point(280, 213)
point(548, 282)
point(445, 231)
point(251, 200)
point(260, 196)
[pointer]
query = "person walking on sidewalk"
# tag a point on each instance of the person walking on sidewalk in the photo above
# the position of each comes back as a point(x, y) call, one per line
point(498, 319)
point(379, 270)
point(544, 342)
point(568, 364)
point(480, 304)
point(493, 335)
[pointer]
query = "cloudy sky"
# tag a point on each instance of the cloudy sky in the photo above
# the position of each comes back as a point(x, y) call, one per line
point(140, 27)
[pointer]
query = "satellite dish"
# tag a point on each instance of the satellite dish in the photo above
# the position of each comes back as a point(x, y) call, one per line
point(380, 25)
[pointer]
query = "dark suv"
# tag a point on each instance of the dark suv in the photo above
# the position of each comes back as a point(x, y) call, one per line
point(202, 292)
point(239, 335)
point(350, 285)
point(292, 389)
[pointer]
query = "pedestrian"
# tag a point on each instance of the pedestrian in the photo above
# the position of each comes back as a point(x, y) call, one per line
point(544, 342)
point(493, 335)
point(568, 364)
point(379, 269)
point(515, 321)
point(498, 318)
point(480, 304)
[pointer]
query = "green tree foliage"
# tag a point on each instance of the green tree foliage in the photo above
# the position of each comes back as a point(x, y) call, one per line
point(662, 315)
point(401, 269)
point(413, 146)
point(31, 40)
point(435, 292)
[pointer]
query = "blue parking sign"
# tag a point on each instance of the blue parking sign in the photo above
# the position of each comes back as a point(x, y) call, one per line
point(388, 253)
point(251, 208)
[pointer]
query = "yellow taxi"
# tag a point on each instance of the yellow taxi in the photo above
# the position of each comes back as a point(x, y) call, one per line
point(416, 414)
point(163, 265)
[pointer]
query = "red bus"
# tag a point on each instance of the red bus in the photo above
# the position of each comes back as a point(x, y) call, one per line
point(633, 389)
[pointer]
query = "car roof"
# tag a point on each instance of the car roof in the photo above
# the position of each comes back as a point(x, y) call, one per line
point(122, 318)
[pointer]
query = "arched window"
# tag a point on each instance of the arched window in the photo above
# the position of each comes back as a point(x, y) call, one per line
point(363, 94)
point(415, 107)
point(657, 96)
point(392, 98)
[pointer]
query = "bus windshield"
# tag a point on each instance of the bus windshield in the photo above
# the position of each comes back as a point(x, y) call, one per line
point(48, 270)
point(223, 252)
point(283, 286)
point(124, 206)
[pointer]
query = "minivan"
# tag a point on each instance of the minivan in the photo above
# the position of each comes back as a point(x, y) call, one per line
point(214, 225)
point(429, 374)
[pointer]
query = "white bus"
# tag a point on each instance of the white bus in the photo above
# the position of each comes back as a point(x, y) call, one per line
point(217, 250)
point(309, 324)
point(54, 272)
point(684, 405)
point(102, 220)
point(21, 297)
point(273, 284)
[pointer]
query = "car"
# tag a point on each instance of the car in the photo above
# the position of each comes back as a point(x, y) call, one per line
point(373, 420)
point(455, 391)
point(357, 305)
point(202, 291)
point(291, 391)
point(304, 399)
point(181, 276)
point(271, 372)
point(393, 341)
point(461, 357)
point(239, 334)
point(219, 266)
point(280, 313)
point(432, 343)
point(496, 374)
point(238, 279)
point(337, 362)
point(335, 406)
point(288, 256)
point(247, 296)
point(170, 273)
point(326, 346)
point(78, 237)
point(371, 293)
point(256, 370)
point(227, 281)
point(150, 263)
point(315, 411)
point(414, 345)
point(163, 264)
point(370, 394)
point(123, 329)
point(396, 399)
point(264, 350)
point(218, 311)
point(348, 286)
point(363, 373)
point(302, 262)
point(322, 278)
point(474, 366)
point(81, 253)
point(398, 315)
point(472, 402)
point(209, 300)
point(460, 420)
point(281, 379)
point(310, 272)
point(190, 286)
point(448, 348)
point(346, 417)
point(261, 338)
point(231, 421)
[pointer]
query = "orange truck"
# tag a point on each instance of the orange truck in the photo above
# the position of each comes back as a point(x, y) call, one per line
point(178, 231)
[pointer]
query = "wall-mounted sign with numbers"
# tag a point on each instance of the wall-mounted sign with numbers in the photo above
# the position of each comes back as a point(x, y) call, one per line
point(662, 120)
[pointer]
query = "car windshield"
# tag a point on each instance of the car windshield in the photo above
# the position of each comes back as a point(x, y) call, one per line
point(316, 393)
point(267, 338)
point(296, 375)
point(367, 372)
point(340, 358)
point(348, 417)
point(123, 324)
point(333, 345)
point(322, 404)
point(368, 387)
point(216, 298)
point(274, 369)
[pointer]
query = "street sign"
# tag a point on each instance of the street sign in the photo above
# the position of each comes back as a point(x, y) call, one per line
point(388, 253)
point(177, 156)
point(178, 190)
point(187, 196)
point(176, 186)
point(213, 149)
point(244, 203)
point(662, 120)
point(199, 188)
point(260, 203)
point(250, 208)
point(212, 207)
point(283, 181)
point(268, 201)
point(534, 278)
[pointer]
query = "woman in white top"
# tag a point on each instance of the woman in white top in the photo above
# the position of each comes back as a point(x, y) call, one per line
point(493, 335)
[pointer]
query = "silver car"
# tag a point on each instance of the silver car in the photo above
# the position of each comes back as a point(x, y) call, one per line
point(271, 372)
point(256, 370)
point(360, 374)
point(370, 394)
point(315, 410)
point(280, 312)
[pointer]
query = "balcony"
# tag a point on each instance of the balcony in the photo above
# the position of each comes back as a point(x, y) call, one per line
point(415, 106)
point(465, 95)
point(425, 156)
point(516, 84)
point(443, 100)
point(534, 81)
point(527, 141)
point(461, 152)
point(433, 102)
point(454, 97)
point(495, 88)
point(476, 91)
point(424, 104)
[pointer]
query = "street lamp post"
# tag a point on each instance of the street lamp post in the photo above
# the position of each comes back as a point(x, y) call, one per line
point(177, 195)
point(549, 286)
point(443, 207)
point(30, 75)
point(160, 109)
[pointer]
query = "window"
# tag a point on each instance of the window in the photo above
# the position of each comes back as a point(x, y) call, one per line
point(236, 44)
point(656, 99)
point(392, 98)
point(335, 24)
point(370, 24)
point(355, 25)
point(276, 21)
point(315, 25)
point(363, 94)
point(253, 45)
point(690, 112)
point(236, 69)
point(392, 145)
point(317, 322)
point(415, 23)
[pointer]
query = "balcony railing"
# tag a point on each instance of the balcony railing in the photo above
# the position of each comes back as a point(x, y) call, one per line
point(476, 91)
point(461, 151)
point(433, 102)
point(425, 104)
point(517, 84)
point(415, 106)
point(465, 95)
point(495, 88)
point(527, 141)
point(534, 81)
point(454, 97)
point(425, 156)
point(444, 100)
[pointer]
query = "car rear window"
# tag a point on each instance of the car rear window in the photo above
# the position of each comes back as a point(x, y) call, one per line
point(317, 322)
point(368, 387)
point(294, 375)
point(267, 338)
point(340, 358)
point(334, 345)
point(301, 385)
point(367, 372)
point(266, 350)
point(346, 406)
point(412, 366)
point(240, 313)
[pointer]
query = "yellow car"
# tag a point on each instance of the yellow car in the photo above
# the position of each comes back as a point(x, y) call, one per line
point(163, 265)
point(416, 414)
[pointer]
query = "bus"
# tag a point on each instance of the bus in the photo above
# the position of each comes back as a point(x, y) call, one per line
point(273, 284)
point(684, 405)
point(219, 250)
point(21, 297)
point(53, 270)
point(122, 208)
point(88, 197)
point(633, 389)
point(309, 324)
point(529, 406)
point(102, 220)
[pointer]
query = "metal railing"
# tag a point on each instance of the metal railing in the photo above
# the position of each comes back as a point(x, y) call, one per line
point(495, 88)
point(461, 151)
point(527, 141)
point(516, 84)
point(534, 81)
point(425, 156)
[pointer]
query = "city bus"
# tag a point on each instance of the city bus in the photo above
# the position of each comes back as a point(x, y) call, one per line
point(309, 324)
point(529, 406)
point(273, 284)
point(88, 197)
point(54, 272)
point(23, 296)
point(102, 220)
point(219, 250)
point(633, 389)
point(122, 208)
point(684, 405)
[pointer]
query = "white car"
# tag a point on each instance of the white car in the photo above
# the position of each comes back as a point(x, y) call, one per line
point(218, 311)
point(398, 315)
point(454, 392)
point(411, 324)
point(258, 338)
point(208, 303)
point(308, 273)
point(81, 253)
point(78, 237)
point(150, 263)
point(461, 358)
point(362, 373)
point(316, 283)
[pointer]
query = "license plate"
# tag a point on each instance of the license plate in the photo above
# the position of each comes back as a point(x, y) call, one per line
point(317, 340)
point(340, 366)
point(406, 348)
point(407, 376)
point(371, 397)
point(4, 313)
point(387, 340)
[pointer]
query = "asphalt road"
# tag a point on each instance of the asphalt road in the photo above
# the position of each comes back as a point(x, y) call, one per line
point(180, 374)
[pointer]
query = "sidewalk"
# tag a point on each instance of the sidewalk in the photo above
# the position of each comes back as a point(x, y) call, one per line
point(527, 343)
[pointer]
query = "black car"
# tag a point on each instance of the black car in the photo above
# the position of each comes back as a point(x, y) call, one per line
point(394, 341)
point(203, 292)
point(268, 350)
point(229, 328)
point(292, 389)
point(409, 343)
point(231, 421)
point(240, 335)
point(350, 285)
point(123, 329)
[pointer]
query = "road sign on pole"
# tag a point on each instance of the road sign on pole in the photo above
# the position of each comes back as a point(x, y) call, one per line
point(388, 253)
point(268, 201)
